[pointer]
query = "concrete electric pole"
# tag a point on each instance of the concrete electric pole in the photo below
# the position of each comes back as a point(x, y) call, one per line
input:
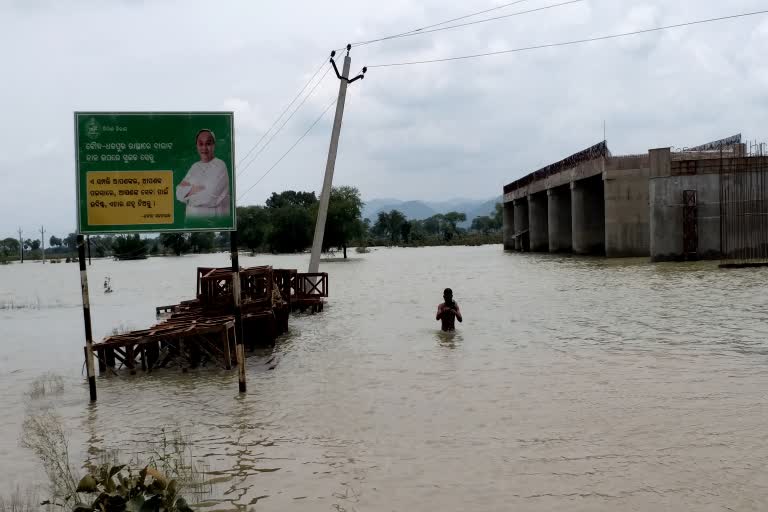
point(42, 241)
point(21, 246)
point(325, 195)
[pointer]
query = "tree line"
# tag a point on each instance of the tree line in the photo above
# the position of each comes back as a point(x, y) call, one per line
point(395, 228)
point(284, 224)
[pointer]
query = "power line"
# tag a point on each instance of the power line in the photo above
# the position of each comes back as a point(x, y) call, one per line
point(241, 171)
point(495, 18)
point(478, 13)
point(578, 41)
point(325, 60)
point(333, 102)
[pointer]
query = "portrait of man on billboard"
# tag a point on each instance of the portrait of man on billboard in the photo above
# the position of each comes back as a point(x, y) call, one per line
point(205, 188)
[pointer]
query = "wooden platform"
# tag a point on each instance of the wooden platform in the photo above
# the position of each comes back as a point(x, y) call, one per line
point(201, 331)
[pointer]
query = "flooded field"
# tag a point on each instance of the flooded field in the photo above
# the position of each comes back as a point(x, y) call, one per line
point(573, 384)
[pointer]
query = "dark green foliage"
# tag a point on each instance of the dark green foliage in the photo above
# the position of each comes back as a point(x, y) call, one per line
point(343, 224)
point(253, 225)
point(117, 489)
point(128, 247)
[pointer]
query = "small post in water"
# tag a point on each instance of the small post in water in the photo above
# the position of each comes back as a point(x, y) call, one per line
point(239, 341)
point(86, 318)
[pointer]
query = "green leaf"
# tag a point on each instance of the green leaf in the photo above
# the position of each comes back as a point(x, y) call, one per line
point(171, 490)
point(116, 504)
point(135, 504)
point(109, 485)
point(181, 505)
point(115, 470)
point(152, 504)
point(87, 484)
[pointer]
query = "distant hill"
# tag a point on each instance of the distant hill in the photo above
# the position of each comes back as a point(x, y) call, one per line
point(419, 210)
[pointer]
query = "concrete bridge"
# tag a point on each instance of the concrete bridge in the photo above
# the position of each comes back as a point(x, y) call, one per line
point(589, 203)
point(661, 205)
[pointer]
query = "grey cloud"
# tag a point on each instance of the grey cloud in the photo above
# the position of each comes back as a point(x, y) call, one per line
point(459, 128)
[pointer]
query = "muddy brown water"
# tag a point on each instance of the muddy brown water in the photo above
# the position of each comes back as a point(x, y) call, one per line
point(573, 384)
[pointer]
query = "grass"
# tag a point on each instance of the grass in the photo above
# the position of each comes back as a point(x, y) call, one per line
point(22, 502)
point(47, 384)
point(43, 433)
point(11, 304)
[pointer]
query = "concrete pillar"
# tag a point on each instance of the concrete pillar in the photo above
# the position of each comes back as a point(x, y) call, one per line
point(537, 222)
point(666, 232)
point(559, 216)
point(588, 216)
point(508, 232)
point(627, 225)
point(521, 225)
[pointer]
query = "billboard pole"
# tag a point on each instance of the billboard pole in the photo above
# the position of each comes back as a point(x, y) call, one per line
point(325, 194)
point(239, 341)
point(86, 318)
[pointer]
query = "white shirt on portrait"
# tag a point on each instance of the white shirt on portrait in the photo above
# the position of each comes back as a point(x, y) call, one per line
point(213, 200)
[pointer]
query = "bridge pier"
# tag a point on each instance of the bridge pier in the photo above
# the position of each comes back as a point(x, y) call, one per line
point(588, 216)
point(559, 216)
point(522, 240)
point(508, 232)
point(538, 223)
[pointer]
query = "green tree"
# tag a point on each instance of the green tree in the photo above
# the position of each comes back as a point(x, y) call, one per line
point(54, 242)
point(9, 247)
point(71, 242)
point(434, 225)
point(176, 242)
point(483, 224)
point(498, 216)
point(290, 215)
point(129, 247)
point(390, 224)
point(222, 237)
point(449, 227)
point(101, 245)
point(201, 241)
point(405, 231)
point(343, 223)
point(291, 229)
point(253, 225)
point(291, 198)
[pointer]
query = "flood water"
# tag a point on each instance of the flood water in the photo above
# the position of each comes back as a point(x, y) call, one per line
point(573, 384)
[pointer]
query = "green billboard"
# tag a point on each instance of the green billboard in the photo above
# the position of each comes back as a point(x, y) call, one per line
point(155, 171)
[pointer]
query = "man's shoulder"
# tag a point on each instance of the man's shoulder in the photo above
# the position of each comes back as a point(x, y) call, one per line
point(217, 162)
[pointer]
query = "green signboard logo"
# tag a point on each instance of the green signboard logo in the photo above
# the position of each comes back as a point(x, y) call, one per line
point(155, 172)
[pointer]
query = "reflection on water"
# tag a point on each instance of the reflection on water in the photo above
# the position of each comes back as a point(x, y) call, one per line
point(573, 384)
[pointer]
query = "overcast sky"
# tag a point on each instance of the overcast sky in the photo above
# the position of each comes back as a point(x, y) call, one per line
point(437, 131)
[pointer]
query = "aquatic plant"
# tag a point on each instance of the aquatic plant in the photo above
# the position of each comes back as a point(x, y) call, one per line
point(119, 489)
point(20, 502)
point(48, 383)
point(167, 470)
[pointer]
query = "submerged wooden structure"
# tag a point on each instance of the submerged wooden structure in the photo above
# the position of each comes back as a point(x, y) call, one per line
point(201, 330)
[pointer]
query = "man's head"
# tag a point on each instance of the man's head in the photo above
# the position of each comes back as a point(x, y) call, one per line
point(206, 144)
point(448, 295)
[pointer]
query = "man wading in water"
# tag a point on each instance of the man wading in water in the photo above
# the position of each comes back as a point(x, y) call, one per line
point(448, 312)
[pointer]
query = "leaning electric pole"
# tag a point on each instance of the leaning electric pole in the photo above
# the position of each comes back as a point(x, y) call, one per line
point(21, 246)
point(325, 194)
point(42, 241)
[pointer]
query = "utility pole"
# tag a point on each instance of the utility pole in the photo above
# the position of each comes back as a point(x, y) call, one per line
point(325, 195)
point(86, 318)
point(42, 241)
point(21, 246)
